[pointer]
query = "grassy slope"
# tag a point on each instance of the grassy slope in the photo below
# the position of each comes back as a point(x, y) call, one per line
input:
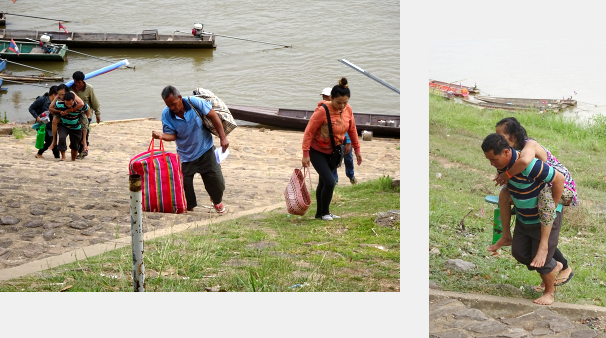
point(466, 180)
point(263, 252)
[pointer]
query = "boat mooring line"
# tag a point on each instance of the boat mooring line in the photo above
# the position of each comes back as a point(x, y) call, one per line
point(48, 71)
point(235, 37)
point(73, 51)
point(395, 89)
point(30, 84)
point(37, 17)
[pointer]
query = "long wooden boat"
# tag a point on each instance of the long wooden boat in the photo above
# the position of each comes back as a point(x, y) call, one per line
point(31, 51)
point(297, 119)
point(31, 78)
point(505, 106)
point(527, 102)
point(449, 89)
point(473, 90)
point(146, 39)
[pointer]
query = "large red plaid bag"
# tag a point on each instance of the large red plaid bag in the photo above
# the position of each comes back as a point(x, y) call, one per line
point(161, 180)
point(296, 193)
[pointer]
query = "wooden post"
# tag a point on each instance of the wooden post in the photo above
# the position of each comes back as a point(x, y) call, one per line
point(136, 219)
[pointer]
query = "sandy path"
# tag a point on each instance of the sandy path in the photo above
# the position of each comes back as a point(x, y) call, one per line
point(49, 207)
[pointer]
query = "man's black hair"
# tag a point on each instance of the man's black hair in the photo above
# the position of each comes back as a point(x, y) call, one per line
point(495, 142)
point(78, 76)
point(69, 96)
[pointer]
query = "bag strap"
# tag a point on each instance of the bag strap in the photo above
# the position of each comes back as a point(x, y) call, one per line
point(332, 136)
point(197, 112)
point(306, 171)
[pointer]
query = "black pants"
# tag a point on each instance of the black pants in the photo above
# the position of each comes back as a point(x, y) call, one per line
point(75, 137)
point(207, 166)
point(326, 181)
point(526, 240)
point(81, 147)
point(559, 257)
point(48, 139)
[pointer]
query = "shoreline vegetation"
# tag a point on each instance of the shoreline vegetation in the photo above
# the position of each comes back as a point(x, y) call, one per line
point(460, 177)
point(269, 252)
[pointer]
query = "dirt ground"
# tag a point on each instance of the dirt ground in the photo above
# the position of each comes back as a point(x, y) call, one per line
point(49, 207)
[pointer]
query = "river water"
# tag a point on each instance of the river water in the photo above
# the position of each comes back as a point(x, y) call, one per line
point(366, 33)
point(525, 69)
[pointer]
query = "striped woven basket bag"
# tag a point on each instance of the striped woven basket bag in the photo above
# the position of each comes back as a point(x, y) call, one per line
point(161, 180)
point(296, 193)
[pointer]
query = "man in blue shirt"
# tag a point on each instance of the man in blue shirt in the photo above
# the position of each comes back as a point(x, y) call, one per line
point(533, 244)
point(181, 123)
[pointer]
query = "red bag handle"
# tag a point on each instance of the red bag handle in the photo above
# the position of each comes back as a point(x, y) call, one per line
point(151, 149)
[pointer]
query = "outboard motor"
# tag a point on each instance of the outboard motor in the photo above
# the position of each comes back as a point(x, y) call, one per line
point(197, 30)
point(45, 43)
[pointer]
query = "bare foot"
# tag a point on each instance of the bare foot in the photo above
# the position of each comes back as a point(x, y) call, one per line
point(545, 299)
point(39, 156)
point(503, 241)
point(190, 210)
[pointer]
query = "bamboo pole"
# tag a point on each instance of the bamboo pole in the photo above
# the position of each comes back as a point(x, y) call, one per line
point(136, 219)
point(395, 89)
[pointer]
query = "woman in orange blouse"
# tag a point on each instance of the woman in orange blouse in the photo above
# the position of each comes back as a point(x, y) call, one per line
point(317, 147)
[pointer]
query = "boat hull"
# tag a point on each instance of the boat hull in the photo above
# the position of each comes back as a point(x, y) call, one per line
point(114, 40)
point(298, 119)
point(462, 92)
point(473, 90)
point(537, 103)
point(30, 51)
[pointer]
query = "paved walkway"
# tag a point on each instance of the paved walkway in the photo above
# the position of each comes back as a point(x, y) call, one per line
point(459, 315)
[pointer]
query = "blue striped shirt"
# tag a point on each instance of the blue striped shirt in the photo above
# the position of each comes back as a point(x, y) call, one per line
point(71, 120)
point(525, 187)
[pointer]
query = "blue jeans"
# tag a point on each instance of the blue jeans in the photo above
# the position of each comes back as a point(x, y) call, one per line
point(349, 166)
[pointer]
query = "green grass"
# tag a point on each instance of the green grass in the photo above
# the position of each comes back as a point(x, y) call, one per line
point(19, 133)
point(262, 252)
point(466, 180)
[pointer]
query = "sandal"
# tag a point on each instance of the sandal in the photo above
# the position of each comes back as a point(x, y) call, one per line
point(564, 279)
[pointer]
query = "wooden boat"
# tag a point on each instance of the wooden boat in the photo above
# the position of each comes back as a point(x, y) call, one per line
point(505, 106)
point(473, 90)
point(528, 102)
point(146, 39)
point(25, 78)
point(31, 78)
point(31, 51)
point(297, 119)
point(463, 92)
